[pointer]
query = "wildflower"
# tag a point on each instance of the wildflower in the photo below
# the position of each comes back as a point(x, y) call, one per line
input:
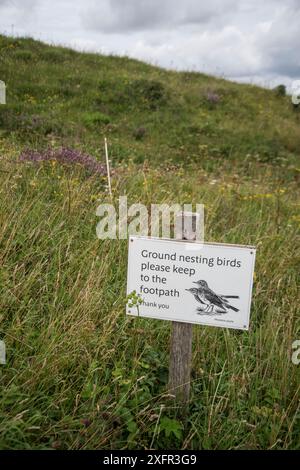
point(212, 97)
point(86, 422)
point(64, 156)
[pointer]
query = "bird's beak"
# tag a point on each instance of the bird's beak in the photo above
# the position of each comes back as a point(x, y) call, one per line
point(195, 282)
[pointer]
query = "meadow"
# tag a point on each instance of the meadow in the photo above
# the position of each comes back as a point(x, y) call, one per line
point(79, 373)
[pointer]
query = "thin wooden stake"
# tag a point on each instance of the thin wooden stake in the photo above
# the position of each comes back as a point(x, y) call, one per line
point(182, 333)
point(107, 167)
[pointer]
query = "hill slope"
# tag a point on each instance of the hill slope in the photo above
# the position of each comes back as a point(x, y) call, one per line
point(79, 373)
point(57, 95)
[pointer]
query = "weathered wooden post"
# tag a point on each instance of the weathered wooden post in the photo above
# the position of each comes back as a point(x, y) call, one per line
point(162, 279)
point(182, 333)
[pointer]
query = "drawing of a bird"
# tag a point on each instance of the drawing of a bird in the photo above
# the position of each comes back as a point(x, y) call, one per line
point(205, 308)
point(205, 295)
point(195, 293)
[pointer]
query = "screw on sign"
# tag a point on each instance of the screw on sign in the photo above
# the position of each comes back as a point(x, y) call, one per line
point(188, 283)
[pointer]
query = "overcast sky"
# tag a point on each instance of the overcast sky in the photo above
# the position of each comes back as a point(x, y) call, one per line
point(246, 40)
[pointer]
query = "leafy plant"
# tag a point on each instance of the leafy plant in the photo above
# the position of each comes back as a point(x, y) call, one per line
point(171, 427)
point(280, 90)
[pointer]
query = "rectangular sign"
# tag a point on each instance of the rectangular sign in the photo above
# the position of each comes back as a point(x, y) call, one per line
point(203, 283)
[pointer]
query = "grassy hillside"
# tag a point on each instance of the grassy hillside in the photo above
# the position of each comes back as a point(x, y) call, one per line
point(57, 95)
point(79, 374)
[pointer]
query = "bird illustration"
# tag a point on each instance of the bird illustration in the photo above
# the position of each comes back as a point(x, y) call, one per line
point(204, 307)
point(208, 298)
point(195, 293)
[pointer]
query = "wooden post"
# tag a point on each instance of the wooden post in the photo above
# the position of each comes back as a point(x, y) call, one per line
point(182, 333)
point(107, 167)
point(180, 361)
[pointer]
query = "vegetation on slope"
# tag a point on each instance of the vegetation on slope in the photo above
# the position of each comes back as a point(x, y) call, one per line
point(58, 95)
point(79, 374)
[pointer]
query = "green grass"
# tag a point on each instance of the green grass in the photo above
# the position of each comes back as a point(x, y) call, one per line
point(58, 95)
point(79, 373)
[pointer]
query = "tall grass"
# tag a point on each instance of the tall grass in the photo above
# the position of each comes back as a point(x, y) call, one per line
point(81, 375)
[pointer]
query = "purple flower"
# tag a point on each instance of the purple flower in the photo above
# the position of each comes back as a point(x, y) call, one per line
point(86, 422)
point(64, 156)
point(212, 97)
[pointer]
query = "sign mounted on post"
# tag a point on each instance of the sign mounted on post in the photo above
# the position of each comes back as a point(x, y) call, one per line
point(201, 283)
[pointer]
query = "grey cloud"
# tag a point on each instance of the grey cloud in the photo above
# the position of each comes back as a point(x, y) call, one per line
point(196, 12)
point(233, 38)
point(113, 16)
point(280, 46)
point(17, 7)
point(18, 4)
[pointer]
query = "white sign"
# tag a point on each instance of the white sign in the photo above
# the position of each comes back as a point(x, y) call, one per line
point(207, 283)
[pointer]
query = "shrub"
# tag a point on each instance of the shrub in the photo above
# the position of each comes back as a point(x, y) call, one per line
point(151, 92)
point(280, 90)
point(55, 56)
point(25, 55)
point(139, 133)
point(64, 156)
point(105, 84)
point(27, 125)
point(212, 97)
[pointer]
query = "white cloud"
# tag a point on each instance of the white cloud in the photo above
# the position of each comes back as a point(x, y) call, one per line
point(239, 39)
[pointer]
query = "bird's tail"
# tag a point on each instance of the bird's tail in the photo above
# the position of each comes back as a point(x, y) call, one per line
point(230, 296)
point(232, 308)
